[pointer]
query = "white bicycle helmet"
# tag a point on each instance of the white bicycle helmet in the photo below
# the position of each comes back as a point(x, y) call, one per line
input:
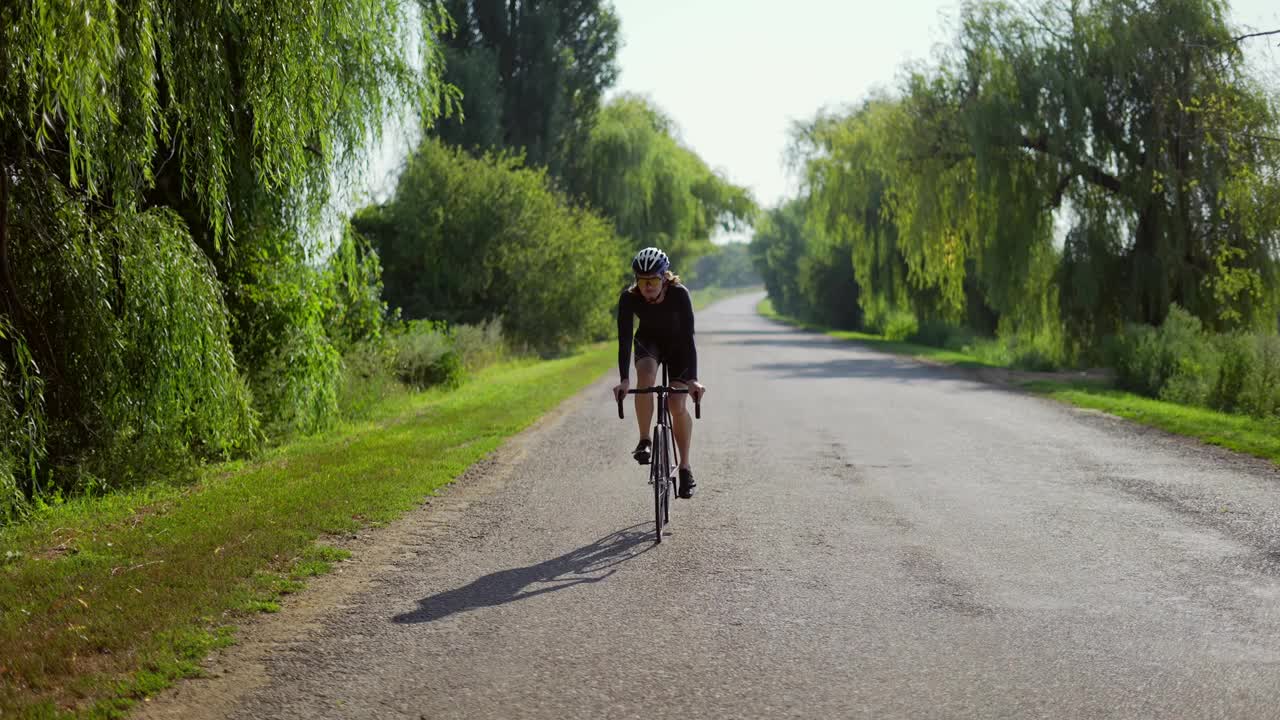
point(650, 261)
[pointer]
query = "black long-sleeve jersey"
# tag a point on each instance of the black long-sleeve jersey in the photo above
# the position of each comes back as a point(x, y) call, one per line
point(667, 325)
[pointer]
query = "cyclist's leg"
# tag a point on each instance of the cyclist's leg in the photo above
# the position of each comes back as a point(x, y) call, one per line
point(681, 422)
point(681, 418)
point(646, 371)
point(682, 428)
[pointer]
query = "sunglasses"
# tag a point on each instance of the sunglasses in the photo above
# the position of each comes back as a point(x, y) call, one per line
point(652, 282)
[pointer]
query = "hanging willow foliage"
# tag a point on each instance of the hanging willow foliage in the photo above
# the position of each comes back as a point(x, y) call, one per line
point(1142, 119)
point(1064, 169)
point(96, 88)
point(858, 170)
point(155, 158)
point(130, 341)
point(635, 170)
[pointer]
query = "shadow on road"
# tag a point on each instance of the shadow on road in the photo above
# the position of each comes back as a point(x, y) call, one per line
point(887, 368)
point(588, 564)
point(893, 369)
point(785, 331)
point(797, 340)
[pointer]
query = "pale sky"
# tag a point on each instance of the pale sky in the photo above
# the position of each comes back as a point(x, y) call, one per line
point(734, 74)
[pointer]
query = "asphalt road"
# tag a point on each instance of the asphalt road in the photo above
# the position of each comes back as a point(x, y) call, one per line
point(872, 538)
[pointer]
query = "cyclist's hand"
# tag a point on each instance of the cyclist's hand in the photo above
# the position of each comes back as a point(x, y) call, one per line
point(620, 390)
point(697, 390)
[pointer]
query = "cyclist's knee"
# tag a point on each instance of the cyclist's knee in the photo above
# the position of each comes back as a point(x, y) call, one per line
point(646, 371)
point(677, 404)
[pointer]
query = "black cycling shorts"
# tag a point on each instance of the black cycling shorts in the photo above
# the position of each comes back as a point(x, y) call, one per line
point(674, 355)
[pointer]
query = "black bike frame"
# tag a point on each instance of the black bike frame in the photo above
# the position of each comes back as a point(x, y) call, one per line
point(662, 462)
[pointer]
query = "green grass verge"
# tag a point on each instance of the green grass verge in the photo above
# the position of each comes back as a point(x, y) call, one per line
point(106, 600)
point(878, 342)
point(1241, 433)
point(1260, 438)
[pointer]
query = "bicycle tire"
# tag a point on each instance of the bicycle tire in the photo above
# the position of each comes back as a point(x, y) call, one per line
point(670, 463)
point(657, 465)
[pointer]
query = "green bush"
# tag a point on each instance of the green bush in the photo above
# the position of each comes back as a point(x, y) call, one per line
point(1260, 396)
point(900, 326)
point(479, 345)
point(1180, 362)
point(1036, 359)
point(1021, 352)
point(992, 351)
point(1188, 359)
point(466, 240)
point(940, 334)
point(278, 302)
point(1134, 354)
point(1029, 354)
point(368, 378)
point(1175, 362)
point(414, 355)
point(1238, 363)
point(425, 356)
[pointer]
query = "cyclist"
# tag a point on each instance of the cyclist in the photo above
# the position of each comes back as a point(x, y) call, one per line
point(665, 335)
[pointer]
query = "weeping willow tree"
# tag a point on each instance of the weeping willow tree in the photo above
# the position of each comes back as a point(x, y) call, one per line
point(805, 270)
point(877, 178)
point(848, 161)
point(1140, 119)
point(658, 191)
point(777, 245)
point(1064, 169)
point(977, 239)
point(154, 159)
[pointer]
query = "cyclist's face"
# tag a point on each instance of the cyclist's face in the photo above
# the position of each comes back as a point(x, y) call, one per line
point(650, 285)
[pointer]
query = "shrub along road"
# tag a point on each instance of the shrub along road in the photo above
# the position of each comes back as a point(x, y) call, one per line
point(872, 537)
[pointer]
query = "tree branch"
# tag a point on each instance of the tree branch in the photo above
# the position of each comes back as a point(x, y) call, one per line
point(1254, 35)
point(13, 300)
point(1232, 41)
point(1061, 190)
point(1088, 172)
point(4, 236)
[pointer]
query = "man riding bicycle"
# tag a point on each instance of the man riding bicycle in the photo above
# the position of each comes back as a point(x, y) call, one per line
point(665, 335)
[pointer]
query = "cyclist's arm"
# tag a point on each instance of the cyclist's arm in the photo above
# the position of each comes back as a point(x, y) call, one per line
point(686, 325)
point(626, 316)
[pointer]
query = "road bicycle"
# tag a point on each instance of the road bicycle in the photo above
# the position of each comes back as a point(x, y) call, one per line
point(662, 468)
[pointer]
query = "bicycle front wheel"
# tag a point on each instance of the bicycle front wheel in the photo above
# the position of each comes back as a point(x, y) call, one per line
point(669, 466)
point(657, 470)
